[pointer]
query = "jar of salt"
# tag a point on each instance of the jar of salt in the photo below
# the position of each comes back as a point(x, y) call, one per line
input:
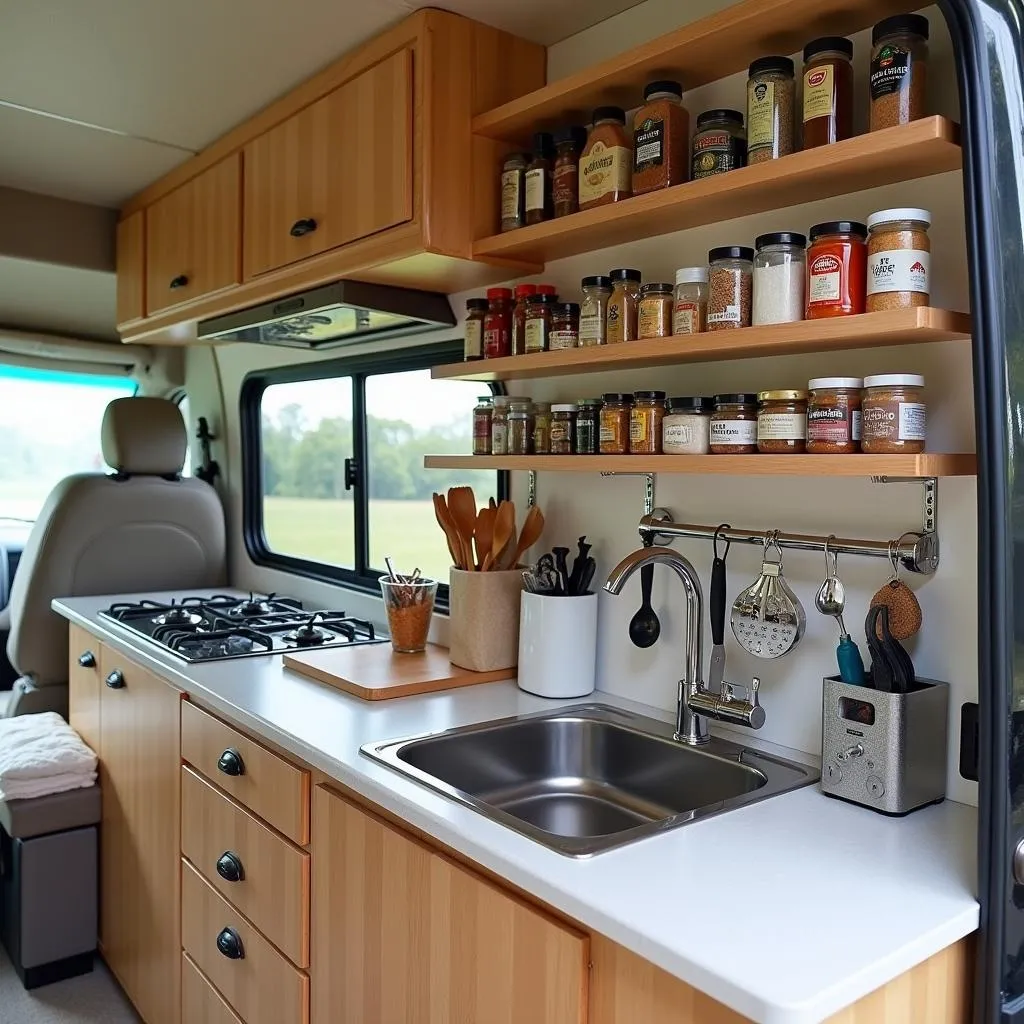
point(780, 270)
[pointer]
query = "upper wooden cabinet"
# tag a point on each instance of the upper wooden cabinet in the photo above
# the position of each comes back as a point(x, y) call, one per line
point(131, 268)
point(339, 170)
point(193, 237)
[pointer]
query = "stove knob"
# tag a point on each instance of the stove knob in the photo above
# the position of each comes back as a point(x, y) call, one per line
point(231, 763)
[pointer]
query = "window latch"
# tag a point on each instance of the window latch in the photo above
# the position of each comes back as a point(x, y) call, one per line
point(351, 474)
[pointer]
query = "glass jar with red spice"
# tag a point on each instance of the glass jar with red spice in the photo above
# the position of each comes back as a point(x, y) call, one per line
point(837, 263)
point(498, 323)
point(523, 294)
point(565, 184)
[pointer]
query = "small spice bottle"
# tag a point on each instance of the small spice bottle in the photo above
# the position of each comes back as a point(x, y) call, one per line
point(719, 143)
point(565, 175)
point(654, 311)
point(614, 439)
point(499, 425)
point(780, 276)
point(690, 306)
point(686, 428)
point(588, 426)
point(730, 287)
point(833, 415)
point(623, 306)
point(519, 434)
point(837, 261)
point(513, 191)
point(661, 134)
point(482, 415)
point(476, 312)
point(565, 326)
point(734, 425)
point(781, 422)
point(538, 322)
point(771, 95)
point(606, 163)
point(899, 69)
point(645, 421)
point(893, 414)
point(899, 259)
point(522, 295)
point(498, 323)
point(828, 91)
point(538, 179)
point(541, 428)
point(594, 311)
point(563, 429)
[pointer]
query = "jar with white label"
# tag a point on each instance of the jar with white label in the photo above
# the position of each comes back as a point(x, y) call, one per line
point(899, 259)
point(730, 287)
point(734, 425)
point(499, 426)
point(781, 422)
point(690, 306)
point(594, 310)
point(686, 428)
point(893, 414)
point(833, 415)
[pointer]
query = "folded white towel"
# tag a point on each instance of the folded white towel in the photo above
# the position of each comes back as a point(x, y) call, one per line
point(40, 746)
point(32, 788)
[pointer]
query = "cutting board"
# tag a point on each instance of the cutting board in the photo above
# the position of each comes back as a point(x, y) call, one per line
point(376, 672)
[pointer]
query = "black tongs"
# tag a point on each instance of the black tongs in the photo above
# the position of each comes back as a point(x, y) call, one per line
point(892, 669)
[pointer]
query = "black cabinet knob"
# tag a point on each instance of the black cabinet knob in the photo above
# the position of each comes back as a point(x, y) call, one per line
point(87, 659)
point(116, 679)
point(180, 281)
point(229, 943)
point(231, 763)
point(306, 226)
point(229, 867)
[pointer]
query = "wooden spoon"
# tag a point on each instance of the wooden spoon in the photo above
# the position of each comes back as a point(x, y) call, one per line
point(451, 531)
point(462, 506)
point(533, 526)
point(504, 531)
point(483, 536)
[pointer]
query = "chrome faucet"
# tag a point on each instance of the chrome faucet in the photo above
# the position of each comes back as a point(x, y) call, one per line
point(695, 703)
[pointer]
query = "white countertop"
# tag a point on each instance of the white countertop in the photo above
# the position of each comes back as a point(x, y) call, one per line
point(787, 910)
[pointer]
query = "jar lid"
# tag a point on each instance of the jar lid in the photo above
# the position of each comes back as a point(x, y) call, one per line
point(894, 380)
point(826, 43)
point(516, 157)
point(720, 114)
point(826, 383)
point(542, 405)
point(520, 403)
point(591, 403)
point(498, 293)
point(617, 397)
point(547, 289)
point(501, 400)
point(691, 403)
point(674, 88)
point(476, 304)
point(571, 133)
point(519, 413)
point(646, 289)
point(626, 275)
point(839, 227)
point(782, 396)
point(781, 238)
point(916, 24)
point(543, 143)
point(563, 407)
point(736, 399)
point(649, 396)
point(544, 299)
point(609, 114)
point(692, 275)
point(596, 282)
point(525, 290)
point(763, 65)
point(731, 252)
point(899, 213)
point(566, 309)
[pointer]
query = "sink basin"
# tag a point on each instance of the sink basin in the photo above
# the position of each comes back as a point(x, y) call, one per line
point(586, 779)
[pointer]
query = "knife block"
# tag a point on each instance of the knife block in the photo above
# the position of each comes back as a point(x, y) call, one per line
point(886, 751)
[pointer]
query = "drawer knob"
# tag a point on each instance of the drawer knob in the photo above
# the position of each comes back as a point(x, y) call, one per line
point(180, 281)
point(306, 226)
point(230, 944)
point(116, 680)
point(87, 659)
point(231, 763)
point(229, 867)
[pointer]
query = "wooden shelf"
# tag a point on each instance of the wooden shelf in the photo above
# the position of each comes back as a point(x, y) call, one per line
point(916, 150)
point(870, 330)
point(939, 464)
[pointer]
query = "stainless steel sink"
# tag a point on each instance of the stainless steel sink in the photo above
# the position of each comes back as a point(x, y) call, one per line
point(590, 778)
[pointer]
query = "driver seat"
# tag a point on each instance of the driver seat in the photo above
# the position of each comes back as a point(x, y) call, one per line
point(142, 529)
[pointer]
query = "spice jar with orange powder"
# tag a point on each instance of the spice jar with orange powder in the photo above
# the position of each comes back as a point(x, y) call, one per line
point(606, 163)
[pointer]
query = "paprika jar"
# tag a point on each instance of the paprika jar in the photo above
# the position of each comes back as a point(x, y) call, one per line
point(781, 422)
point(565, 176)
point(615, 416)
point(482, 415)
point(833, 415)
point(498, 323)
point(645, 420)
point(661, 136)
point(828, 91)
point(563, 429)
point(476, 312)
point(523, 294)
point(837, 262)
point(893, 414)
point(734, 425)
point(606, 163)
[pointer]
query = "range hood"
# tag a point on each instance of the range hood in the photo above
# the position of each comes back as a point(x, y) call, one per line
point(343, 313)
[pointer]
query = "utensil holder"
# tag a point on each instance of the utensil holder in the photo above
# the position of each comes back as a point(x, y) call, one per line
point(887, 751)
point(558, 645)
point(483, 630)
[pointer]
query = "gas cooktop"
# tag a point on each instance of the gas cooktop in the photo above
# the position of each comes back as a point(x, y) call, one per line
point(222, 626)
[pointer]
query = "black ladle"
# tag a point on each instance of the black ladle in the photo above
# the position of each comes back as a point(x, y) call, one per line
point(644, 627)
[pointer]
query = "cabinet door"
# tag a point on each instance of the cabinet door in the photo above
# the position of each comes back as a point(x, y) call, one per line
point(139, 837)
point(84, 684)
point(401, 933)
point(337, 171)
point(193, 237)
point(131, 268)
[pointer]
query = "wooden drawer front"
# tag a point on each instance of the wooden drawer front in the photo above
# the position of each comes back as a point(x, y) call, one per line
point(84, 682)
point(268, 785)
point(273, 891)
point(262, 986)
point(201, 1003)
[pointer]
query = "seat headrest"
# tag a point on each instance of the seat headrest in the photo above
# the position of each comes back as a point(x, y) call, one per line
point(144, 437)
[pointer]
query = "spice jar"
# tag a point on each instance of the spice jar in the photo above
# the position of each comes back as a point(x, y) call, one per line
point(482, 415)
point(654, 311)
point(538, 322)
point(893, 414)
point(565, 175)
point(606, 163)
point(686, 428)
point(734, 425)
point(730, 287)
point(499, 425)
point(522, 295)
point(614, 439)
point(780, 272)
point(623, 306)
point(837, 263)
point(594, 310)
point(719, 143)
point(476, 312)
point(771, 95)
point(661, 133)
point(519, 434)
point(899, 69)
point(833, 415)
point(498, 323)
point(588, 426)
point(538, 179)
point(645, 421)
point(565, 326)
point(899, 259)
point(513, 191)
point(690, 303)
point(541, 428)
point(563, 424)
point(828, 91)
point(781, 422)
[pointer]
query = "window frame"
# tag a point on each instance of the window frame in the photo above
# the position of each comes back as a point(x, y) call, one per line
point(362, 578)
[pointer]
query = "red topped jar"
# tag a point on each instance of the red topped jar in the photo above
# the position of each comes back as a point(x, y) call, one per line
point(837, 269)
point(498, 323)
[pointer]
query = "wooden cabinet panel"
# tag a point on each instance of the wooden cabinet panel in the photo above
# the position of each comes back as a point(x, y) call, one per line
point(201, 1003)
point(404, 934)
point(339, 170)
point(193, 237)
point(139, 838)
point(131, 268)
point(84, 683)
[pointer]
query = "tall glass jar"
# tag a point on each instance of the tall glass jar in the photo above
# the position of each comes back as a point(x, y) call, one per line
point(690, 306)
point(899, 70)
point(476, 313)
point(499, 426)
point(513, 191)
point(828, 91)
point(645, 422)
point(730, 286)
point(541, 428)
point(538, 179)
point(780, 272)
point(565, 183)
point(498, 323)
point(565, 326)
point(523, 294)
point(661, 135)
point(623, 306)
point(837, 262)
point(654, 312)
point(519, 436)
point(771, 95)
point(482, 416)
point(563, 429)
point(606, 163)
point(594, 311)
point(615, 417)
point(588, 426)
